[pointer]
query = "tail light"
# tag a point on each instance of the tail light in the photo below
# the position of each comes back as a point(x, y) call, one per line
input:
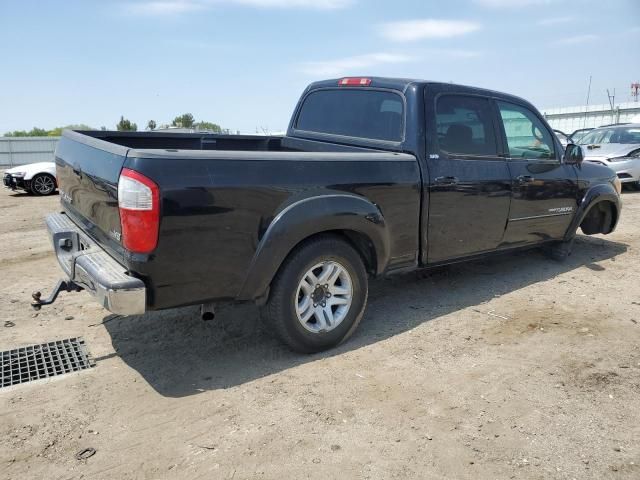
point(139, 203)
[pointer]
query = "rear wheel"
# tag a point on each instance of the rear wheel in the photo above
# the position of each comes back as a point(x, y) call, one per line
point(43, 184)
point(319, 295)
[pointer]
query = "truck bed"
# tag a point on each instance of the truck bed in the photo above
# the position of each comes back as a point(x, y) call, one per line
point(217, 205)
point(186, 141)
point(208, 142)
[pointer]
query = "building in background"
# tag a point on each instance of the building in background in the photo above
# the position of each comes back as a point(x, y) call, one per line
point(570, 119)
point(22, 150)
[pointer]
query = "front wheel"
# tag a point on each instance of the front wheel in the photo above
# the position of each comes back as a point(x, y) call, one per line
point(43, 184)
point(318, 296)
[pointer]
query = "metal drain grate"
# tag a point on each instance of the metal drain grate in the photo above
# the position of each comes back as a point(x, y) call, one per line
point(34, 362)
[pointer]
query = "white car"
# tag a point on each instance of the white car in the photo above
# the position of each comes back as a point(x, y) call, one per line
point(37, 178)
point(617, 147)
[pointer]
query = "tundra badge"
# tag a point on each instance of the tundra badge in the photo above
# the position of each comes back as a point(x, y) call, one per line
point(561, 210)
point(66, 197)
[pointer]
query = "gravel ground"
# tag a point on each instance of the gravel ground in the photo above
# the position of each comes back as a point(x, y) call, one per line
point(513, 367)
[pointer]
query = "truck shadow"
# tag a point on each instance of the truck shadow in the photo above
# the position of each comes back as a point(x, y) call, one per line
point(22, 194)
point(178, 354)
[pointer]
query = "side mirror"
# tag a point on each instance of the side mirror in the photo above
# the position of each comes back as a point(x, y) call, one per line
point(573, 154)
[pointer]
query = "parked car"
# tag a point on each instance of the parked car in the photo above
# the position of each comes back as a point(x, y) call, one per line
point(36, 178)
point(577, 135)
point(563, 137)
point(375, 176)
point(617, 147)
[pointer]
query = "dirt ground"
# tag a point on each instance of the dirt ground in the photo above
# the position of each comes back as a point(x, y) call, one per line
point(514, 367)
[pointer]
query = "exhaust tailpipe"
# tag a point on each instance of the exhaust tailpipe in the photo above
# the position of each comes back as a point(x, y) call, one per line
point(207, 311)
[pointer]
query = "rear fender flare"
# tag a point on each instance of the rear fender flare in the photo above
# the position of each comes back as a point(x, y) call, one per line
point(603, 192)
point(307, 217)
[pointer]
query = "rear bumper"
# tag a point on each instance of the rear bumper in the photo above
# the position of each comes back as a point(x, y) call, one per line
point(87, 264)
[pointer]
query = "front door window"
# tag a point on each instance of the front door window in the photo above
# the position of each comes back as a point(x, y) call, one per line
point(527, 137)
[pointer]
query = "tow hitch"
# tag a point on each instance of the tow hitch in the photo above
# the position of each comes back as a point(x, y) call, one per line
point(61, 286)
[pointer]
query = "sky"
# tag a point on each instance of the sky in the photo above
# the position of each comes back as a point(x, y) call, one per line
point(244, 63)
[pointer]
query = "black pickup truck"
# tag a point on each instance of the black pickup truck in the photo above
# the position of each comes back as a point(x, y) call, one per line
point(375, 176)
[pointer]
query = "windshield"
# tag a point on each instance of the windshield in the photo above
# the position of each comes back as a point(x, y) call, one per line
point(578, 134)
point(612, 135)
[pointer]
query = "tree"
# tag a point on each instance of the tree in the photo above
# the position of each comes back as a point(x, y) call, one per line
point(34, 132)
point(125, 125)
point(213, 127)
point(38, 132)
point(185, 120)
point(41, 132)
point(56, 132)
point(151, 125)
point(16, 133)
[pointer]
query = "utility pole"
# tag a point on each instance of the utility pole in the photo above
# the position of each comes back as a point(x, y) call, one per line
point(612, 103)
point(586, 110)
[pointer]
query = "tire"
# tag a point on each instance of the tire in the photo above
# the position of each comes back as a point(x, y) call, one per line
point(43, 184)
point(559, 251)
point(333, 257)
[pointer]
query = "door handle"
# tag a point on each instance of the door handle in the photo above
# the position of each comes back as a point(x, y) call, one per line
point(524, 179)
point(445, 180)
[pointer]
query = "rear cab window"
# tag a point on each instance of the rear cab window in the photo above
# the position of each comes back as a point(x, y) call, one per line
point(357, 113)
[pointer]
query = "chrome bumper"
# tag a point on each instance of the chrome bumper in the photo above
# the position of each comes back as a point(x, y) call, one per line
point(89, 266)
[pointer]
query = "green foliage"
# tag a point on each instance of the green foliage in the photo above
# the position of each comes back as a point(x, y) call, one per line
point(38, 132)
point(56, 132)
point(210, 126)
point(34, 132)
point(16, 133)
point(125, 125)
point(185, 120)
point(41, 132)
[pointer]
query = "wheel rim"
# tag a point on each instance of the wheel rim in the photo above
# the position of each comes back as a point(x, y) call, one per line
point(324, 297)
point(43, 184)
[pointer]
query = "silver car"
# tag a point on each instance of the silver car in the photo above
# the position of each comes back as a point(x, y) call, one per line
point(617, 147)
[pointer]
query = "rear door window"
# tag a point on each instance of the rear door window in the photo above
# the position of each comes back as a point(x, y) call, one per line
point(368, 114)
point(465, 126)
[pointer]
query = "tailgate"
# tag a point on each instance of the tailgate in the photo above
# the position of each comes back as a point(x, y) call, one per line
point(88, 170)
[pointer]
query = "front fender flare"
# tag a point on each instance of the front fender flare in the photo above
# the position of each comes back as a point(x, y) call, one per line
point(603, 192)
point(309, 216)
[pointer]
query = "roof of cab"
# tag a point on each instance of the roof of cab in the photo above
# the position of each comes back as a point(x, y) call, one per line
point(402, 84)
point(380, 82)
